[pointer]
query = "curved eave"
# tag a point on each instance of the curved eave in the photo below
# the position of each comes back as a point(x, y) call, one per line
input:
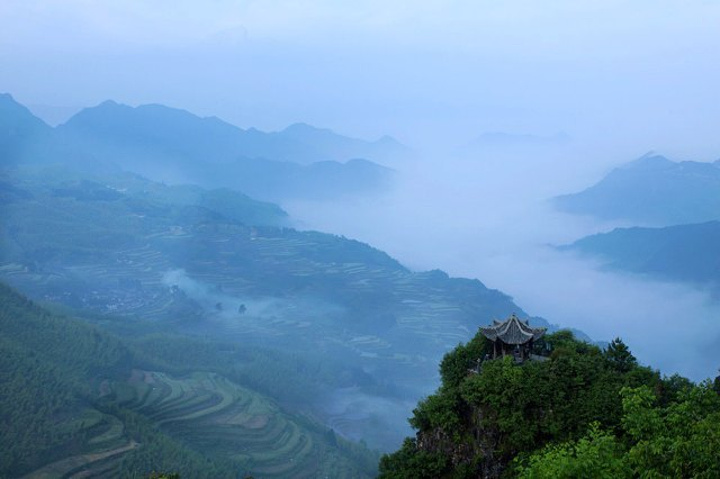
point(512, 331)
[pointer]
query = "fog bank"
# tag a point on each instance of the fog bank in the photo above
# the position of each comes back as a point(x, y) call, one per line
point(486, 215)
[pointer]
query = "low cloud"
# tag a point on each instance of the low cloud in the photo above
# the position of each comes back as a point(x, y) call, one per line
point(490, 218)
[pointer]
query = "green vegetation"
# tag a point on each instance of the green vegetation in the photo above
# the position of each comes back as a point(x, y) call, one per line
point(296, 315)
point(74, 401)
point(681, 439)
point(48, 367)
point(584, 412)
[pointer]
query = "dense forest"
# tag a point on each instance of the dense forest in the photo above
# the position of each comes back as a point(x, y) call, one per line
point(77, 399)
point(583, 412)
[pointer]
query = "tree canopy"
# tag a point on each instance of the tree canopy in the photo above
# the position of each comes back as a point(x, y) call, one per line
point(584, 412)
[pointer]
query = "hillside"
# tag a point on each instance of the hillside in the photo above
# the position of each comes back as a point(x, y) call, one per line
point(128, 250)
point(679, 253)
point(79, 402)
point(652, 190)
point(583, 412)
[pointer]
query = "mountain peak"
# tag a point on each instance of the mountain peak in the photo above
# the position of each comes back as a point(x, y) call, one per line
point(7, 97)
point(14, 115)
point(650, 161)
point(331, 145)
point(305, 131)
point(22, 134)
point(652, 190)
point(110, 104)
point(302, 124)
point(147, 120)
point(387, 140)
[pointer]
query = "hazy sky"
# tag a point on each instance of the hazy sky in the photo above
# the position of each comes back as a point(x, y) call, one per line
point(643, 73)
point(489, 218)
point(619, 77)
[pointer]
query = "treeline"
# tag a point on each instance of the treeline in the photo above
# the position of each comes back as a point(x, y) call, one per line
point(585, 412)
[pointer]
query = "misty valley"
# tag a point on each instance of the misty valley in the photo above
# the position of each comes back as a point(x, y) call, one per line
point(162, 313)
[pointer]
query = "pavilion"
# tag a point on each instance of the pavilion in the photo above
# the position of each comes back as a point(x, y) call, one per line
point(512, 337)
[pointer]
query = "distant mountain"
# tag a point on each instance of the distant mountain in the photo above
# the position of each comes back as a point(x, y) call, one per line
point(329, 145)
point(175, 146)
point(163, 133)
point(21, 133)
point(652, 190)
point(680, 253)
point(171, 131)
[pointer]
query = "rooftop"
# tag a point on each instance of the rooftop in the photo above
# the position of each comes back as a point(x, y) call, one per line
point(512, 331)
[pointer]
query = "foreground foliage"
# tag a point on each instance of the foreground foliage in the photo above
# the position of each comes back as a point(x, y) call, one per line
point(585, 412)
point(681, 439)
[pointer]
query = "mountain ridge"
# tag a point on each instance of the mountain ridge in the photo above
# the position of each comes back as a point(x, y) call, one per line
point(20, 131)
point(299, 142)
point(176, 146)
point(686, 253)
point(651, 190)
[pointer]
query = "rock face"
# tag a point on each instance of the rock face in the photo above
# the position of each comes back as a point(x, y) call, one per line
point(478, 454)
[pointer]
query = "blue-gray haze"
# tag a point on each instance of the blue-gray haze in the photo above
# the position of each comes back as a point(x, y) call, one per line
point(507, 104)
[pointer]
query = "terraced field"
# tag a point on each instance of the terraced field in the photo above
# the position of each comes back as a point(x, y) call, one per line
point(423, 314)
point(103, 451)
point(212, 415)
point(217, 417)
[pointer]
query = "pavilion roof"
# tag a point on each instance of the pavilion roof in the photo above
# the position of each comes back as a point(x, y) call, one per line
point(512, 331)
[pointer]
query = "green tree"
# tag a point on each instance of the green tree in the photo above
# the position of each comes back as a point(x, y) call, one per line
point(481, 422)
point(598, 455)
point(680, 440)
point(619, 356)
